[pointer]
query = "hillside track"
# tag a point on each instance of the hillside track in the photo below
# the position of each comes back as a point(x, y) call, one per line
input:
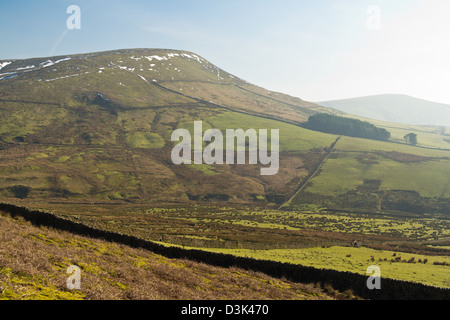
point(313, 172)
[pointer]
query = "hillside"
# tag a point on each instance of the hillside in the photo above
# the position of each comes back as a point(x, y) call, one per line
point(96, 128)
point(395, 108)
point(141, 78)
point(34, 261)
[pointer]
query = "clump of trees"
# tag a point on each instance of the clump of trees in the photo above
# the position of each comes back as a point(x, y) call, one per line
point(328, 123)
point(411, 138)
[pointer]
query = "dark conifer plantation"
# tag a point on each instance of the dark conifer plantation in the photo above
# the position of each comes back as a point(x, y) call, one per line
point(345, 126)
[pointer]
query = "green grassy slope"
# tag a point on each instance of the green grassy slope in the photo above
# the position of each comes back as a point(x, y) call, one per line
point(410, 267)
point(376, 176)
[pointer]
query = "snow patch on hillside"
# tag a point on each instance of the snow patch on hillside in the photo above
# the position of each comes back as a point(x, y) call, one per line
point(4, 64)
point(64, 77)
point(50, 63)
point(7, 73)
point(9, 77)
point(150, 58)
point(26, 68)
point(61, 60)
point(193, 57)
point(126, 68)
point(172, 55)
point(142, 78)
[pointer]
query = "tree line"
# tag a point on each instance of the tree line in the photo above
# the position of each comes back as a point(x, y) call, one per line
point(329, 123)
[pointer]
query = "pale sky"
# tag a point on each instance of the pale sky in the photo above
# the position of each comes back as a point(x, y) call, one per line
point(409, 54)
point(316, 50)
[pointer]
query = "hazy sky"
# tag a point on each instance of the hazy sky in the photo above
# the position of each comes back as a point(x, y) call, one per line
point(316, 50)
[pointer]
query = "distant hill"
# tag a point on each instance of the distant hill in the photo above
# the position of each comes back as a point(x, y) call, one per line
point(395, 108)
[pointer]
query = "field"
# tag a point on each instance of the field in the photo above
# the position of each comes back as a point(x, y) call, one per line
point(393, 264)
point(346, 170)
point(380, 177)
point(226, 226)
